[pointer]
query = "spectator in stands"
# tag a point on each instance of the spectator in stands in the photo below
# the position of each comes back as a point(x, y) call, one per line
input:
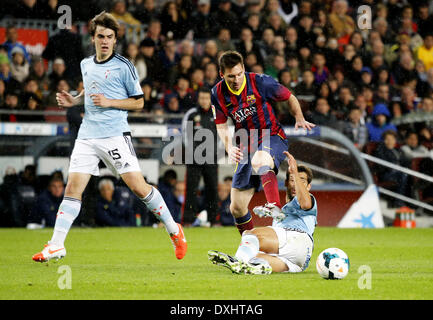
point(171, 107)
point(254, 24)
point(380, 123)
point(305, 62)
point(149, 95)
point(426, 137)
point(31, 102)
point(320, 70)
point(57, 73)
point(154, 33)
point(12, 42)
point(174, 24)
point(224, 215)
point(405, 70)
point(278, 65)
point(6, 75)
point(11, 103)
point(169, 57)
point(224, 40)
point(409, 100)
point(144, 10)
point(344, 103)
point(132, 54)
point(50, 100)
point(38, 73)
point(306, 87)
point(201, 23)
point(306, 36)
point(322, 114)
point(152, 61)
point(184, 93)
point(425, 52)
point(210, 53)
point(19, 65)
point(383, 94)
point(31, 89)
point(47, 204)
point(121, 14)
point(276, 23)
point(166, 187)
point(342, 24)
point(387, 150)
point(412, 149)
point(355, 129)
point(424, 19)
point(111, 212)
point(27, 9)
point(66, 44)
point(9, 201)
point(223, 17)
point(211, 76)
point(182, 69)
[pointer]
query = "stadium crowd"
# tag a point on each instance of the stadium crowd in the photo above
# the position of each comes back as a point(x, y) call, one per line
point(374, 85)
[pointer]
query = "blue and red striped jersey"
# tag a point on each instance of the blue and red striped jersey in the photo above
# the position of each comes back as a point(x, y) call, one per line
point(250, 108)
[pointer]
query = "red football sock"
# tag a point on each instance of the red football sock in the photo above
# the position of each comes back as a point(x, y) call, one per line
point(244, 223)
point(270, 187)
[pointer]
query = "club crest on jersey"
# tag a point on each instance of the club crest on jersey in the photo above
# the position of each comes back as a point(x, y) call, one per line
point(107, 72)
point(251, 100)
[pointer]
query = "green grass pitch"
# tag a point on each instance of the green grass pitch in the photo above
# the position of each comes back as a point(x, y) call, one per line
point(139, 263)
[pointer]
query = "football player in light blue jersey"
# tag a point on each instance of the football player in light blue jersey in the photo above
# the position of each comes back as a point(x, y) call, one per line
point(111, 89)
point(287, 245)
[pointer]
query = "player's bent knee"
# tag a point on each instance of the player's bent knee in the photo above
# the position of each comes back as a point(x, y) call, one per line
point(237, 211)
point(262, 159)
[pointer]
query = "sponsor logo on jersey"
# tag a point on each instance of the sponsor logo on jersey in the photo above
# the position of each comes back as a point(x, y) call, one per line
point(242, 114)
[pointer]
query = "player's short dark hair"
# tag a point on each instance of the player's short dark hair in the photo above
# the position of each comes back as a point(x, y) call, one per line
point(302, 168)
point(105, 20)
point(229, 59)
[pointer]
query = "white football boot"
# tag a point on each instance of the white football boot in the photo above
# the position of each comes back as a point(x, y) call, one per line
point(270, 210)
point(50, 251)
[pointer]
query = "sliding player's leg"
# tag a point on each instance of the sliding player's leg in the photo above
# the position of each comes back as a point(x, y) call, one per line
point(239, 208)
point(152, 198)
point(262, 239)
point(67, 213)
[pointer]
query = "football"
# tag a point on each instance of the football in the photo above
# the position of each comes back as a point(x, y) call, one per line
point(332, 263)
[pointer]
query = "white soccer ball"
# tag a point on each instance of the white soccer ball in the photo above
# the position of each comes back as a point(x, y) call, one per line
point(332, 263)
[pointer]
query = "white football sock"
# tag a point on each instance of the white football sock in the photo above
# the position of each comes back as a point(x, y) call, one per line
point(248, 248)
point(156, 204)
point(68, 211)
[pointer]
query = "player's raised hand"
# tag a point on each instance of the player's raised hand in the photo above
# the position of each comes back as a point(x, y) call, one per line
point(235, 154)
point(65, 99)
point(293, 166)
point(301, 123)
point(100, 100)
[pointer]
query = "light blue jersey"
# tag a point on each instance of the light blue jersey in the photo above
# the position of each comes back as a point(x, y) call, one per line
point(297, 218)
point(115, 78)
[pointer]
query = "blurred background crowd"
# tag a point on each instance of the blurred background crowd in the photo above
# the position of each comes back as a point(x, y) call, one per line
point(374, 85)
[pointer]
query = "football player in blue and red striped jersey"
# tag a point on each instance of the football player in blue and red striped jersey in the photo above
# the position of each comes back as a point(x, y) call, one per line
point(244, 97)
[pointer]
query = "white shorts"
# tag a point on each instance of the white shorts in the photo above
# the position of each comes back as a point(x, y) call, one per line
point(116, 152)
point(295, 249)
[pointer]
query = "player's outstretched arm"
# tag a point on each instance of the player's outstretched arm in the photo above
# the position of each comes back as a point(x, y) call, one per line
point(234, 153)
point(296, 111)
point(66, 100)
point(124, 104)
point(302, 193)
